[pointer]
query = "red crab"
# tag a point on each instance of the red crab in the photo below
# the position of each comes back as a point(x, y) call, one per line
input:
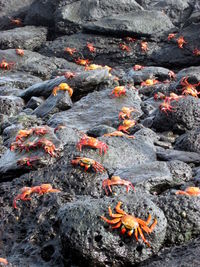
point(62, 87)
point(3, 261)
point(69, 75)
point(172, 75)
point(125, 47)
point(40, 130)
point(125, 113)
point(189, 89)
point(130, 223)
point(87, 163)
point(165, 107)
point(48, 146)
point(144, 46)
point(19, 52)
point(27, 161)
point(159, 96)
point(17, 21)
point(27, 191)
point(181, 42)
point(174, 96)
point(118, 133)
point(23, 134)
point(130, 39)
point(138, 67)
point(126, 125)
point(149, 82)
point(92, 142)
point(82, 61)
point(116, 180)
point(189, 191)
point(171, 36)
point(196, 52)
point(70, 51)
point(118, 91)
point(91, 47)
point(6, 65)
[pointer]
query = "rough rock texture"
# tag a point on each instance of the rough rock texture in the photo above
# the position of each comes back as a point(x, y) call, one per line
point(154, 155)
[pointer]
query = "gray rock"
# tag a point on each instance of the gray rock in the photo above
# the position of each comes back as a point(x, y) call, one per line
point(189, 141)
point(28, 37)
point(140, 23)
point(186, 116)
point(11, 105)
point(97, 244)
point(186, 255)
point(95, 109)
point(81, 84)
point(34, 63)
point(34, 102)
point(169, 154)
point(182, 213)
point(61, 101)
point(70, 15)
point(156, 177)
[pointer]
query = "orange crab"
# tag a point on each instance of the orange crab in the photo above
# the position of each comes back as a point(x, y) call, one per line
point(171, 36)
point(92, 142)
point(116, 180)
point(62, 87)
point(118, 133)
point(82, 61)
point(6, 65)
point(27, 191)
point(189, 89)
point(27, 161)
point(118, 91)
point(40, 130)
point(138, 67)
point(95, 67)
point(174, 96)
point(124, 47)
point(17, 21)
point(23, 133)
point(181, 42)
point(91, 47)
point(189, 191)
point(69, 75)
point(196, 52)
point(125, 113)
point(19, 52)
point(144, 46)
point(126, 125)
point(48, 146)
point(165, 107)
point(70, 51)
point(149, 82)
point(130, 223)
point(3, 261)
point(87, 163)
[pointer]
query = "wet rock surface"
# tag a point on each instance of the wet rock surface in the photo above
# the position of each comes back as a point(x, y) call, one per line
point(124, 72)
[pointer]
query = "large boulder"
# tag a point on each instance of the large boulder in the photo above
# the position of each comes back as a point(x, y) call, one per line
point(28, 37)
point(90, 241)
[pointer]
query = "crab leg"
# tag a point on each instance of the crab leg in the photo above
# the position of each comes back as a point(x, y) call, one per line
point(112, 215)
point(117, 225)
point(136, 234)
point(117, 208)
point(143, 238)
point(114, 221)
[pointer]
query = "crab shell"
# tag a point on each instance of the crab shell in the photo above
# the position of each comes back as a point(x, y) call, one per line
point(118, 91)
point(116, 180)
point(92, 142)
point(87, 163)
point(190, 191)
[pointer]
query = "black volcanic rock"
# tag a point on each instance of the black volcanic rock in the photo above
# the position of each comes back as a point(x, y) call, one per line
point(189, 141)
point(28, 37)
point(70, 15)
point(95, 243)
point(151, 24)
point(185, 115)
